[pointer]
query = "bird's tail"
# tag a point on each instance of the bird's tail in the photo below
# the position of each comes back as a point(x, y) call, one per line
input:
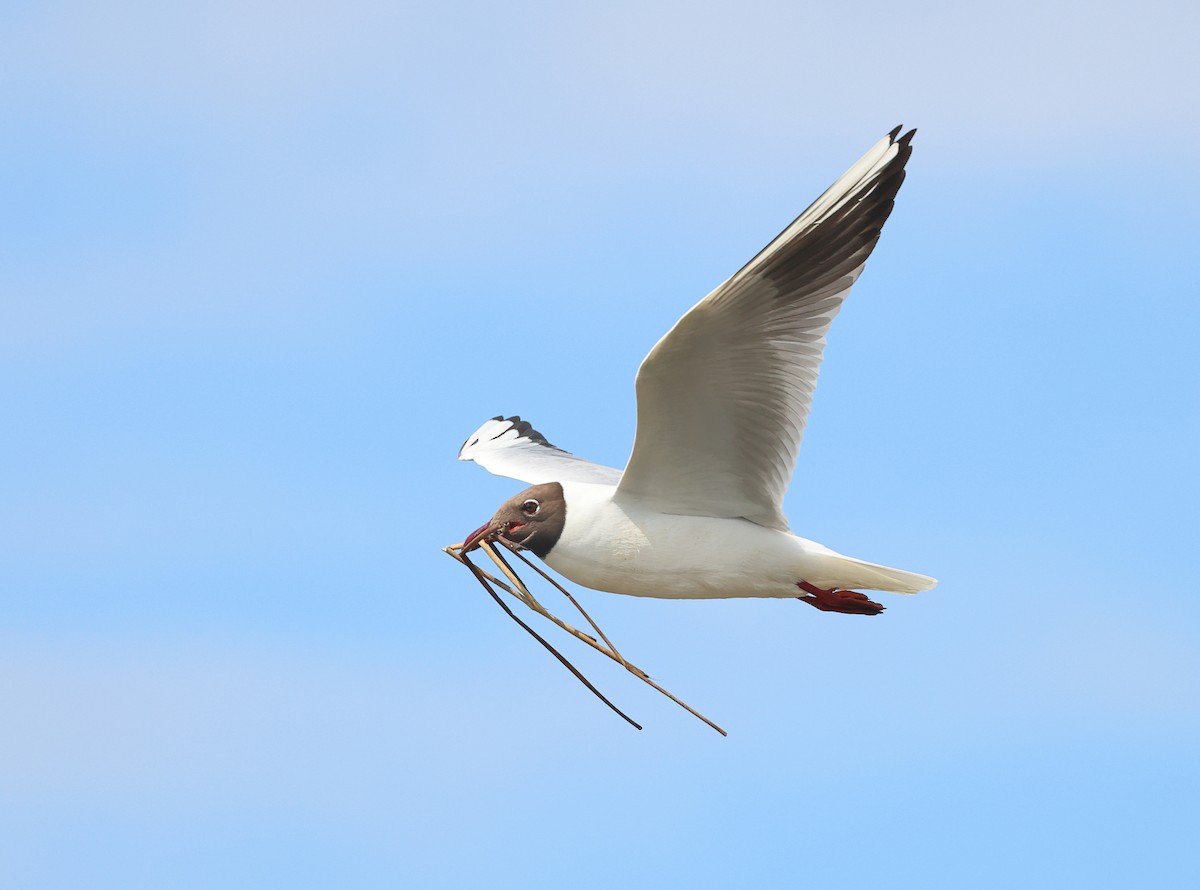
point(854, 573)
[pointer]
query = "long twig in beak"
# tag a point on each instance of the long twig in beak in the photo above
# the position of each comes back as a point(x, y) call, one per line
point(582, 679)
point(522, 593)
point(525, 559)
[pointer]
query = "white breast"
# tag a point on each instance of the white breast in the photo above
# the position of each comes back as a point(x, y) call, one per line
point(622, 548)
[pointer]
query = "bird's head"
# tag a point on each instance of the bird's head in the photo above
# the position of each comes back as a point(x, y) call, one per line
point(533, 519)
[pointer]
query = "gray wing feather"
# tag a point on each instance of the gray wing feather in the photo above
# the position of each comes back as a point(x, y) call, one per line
point(723, 398)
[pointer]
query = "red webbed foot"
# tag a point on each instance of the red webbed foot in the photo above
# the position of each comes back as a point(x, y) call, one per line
point(850, 602)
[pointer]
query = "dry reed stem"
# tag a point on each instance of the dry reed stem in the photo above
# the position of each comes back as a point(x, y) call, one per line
point(525, 559)
point(521, 592)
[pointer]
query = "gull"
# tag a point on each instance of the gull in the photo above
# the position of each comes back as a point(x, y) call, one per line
point(722, 402)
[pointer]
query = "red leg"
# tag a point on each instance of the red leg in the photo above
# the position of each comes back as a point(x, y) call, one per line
point(833, 600)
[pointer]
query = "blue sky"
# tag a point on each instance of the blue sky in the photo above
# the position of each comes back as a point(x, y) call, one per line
point(263, 267)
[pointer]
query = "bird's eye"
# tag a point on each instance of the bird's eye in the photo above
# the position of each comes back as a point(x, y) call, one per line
point(530, 507)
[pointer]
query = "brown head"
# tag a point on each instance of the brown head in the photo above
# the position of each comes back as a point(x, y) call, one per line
point(534, 519)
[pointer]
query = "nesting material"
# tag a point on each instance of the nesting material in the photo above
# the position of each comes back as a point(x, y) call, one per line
point(517, 588)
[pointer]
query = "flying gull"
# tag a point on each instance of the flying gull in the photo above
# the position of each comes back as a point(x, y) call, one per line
point(722, 401)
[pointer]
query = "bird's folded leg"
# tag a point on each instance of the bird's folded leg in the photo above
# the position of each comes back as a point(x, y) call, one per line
point(850, 602)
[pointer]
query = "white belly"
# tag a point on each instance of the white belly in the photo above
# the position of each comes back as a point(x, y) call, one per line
point(620, 548)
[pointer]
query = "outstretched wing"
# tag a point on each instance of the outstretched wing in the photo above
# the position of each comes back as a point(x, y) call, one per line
point(723, 398)
point(509, 446)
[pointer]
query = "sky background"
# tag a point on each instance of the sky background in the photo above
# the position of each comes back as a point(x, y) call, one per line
point(264, 266)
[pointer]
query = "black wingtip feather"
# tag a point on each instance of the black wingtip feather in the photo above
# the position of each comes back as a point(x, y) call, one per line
point(525, 429)
point(845, 238)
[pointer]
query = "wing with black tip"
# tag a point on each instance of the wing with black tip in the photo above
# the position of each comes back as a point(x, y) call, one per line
point(723, 399)
point(509, 446)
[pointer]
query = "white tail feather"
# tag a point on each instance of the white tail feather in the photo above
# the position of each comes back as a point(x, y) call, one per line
point(854, 573)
